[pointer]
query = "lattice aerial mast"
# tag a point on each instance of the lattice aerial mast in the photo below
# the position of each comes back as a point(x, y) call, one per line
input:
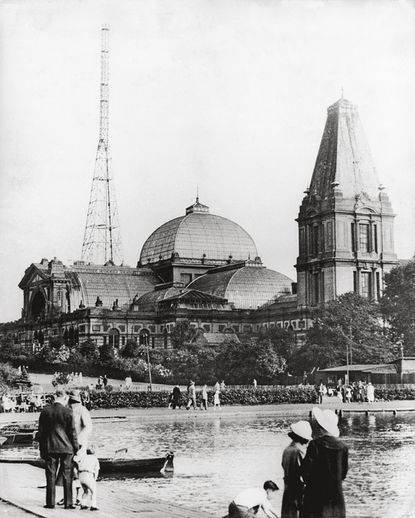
point(102, 238)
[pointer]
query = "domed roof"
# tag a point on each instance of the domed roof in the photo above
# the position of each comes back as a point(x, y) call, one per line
point(247, 287)
point(198, 235)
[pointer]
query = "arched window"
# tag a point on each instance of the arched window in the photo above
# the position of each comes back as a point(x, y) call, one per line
point(38, 305)
point(114, 337)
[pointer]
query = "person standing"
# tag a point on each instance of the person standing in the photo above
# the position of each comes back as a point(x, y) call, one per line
point(370, 393)
point(57, 443)
point(82, 418)
point(324, 469)
point(204, 404)
point(191, 395)
point(247, 503)
point(176, 397)
point(292, 459)
point(105, 380)
point(254, 383)
point(216, 400)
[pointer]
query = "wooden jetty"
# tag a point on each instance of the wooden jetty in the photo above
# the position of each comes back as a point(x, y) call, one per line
point(366, 409)
point(23, 486)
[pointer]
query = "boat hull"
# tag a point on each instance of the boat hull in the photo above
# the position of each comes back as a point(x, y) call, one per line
point(114, 466)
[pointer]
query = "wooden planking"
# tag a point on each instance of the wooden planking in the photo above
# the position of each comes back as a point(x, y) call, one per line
point(24, 487)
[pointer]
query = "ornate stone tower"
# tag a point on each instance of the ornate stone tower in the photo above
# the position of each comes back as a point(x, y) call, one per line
point(345, 220)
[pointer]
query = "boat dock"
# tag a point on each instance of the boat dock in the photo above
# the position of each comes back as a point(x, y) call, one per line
point(23, 486)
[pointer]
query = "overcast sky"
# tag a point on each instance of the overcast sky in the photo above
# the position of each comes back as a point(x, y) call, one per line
point(229, 95)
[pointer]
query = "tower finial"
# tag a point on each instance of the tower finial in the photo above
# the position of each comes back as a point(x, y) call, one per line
point(342, 94)
point(197, 193)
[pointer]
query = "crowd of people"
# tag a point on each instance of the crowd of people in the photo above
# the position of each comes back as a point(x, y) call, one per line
point(356, 392)
point(196, 399)
point(63, 436)
point(22, 402)
point(315, 464)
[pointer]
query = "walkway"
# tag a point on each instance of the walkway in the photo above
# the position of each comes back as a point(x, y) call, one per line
point(24, 487)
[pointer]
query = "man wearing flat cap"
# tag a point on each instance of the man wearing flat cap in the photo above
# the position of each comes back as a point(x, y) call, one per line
point(58, 444)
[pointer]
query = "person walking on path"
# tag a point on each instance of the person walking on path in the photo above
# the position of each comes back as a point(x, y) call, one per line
point(191, 395)
point(324, 469)
point(88, 469)
point(254, 383)
point(247, 503)
point(57, 443)
point(204, 403)
point(292, 459)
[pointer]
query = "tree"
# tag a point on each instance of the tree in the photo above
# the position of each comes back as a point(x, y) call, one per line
point(398, 304)
point(89, 350)
point(8, 377)
point(241, 362)
point(350, 323)
point(182, 334)
point(106, 352)
point(131, 350)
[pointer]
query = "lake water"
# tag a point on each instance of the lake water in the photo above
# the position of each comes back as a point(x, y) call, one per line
point(218, 456)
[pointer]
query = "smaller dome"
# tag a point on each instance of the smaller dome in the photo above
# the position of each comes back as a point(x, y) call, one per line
point(248, 286)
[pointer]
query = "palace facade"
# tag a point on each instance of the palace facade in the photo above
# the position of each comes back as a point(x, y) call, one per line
point(206, 269)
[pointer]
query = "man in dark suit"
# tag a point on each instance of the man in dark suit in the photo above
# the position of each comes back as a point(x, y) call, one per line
point(58, 444)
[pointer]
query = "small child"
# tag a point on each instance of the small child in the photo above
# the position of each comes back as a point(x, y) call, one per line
point(88, 469)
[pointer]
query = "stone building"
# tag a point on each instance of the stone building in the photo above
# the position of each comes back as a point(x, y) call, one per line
point(206, 269)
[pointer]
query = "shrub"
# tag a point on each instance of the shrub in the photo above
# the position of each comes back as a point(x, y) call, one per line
point(105, 399)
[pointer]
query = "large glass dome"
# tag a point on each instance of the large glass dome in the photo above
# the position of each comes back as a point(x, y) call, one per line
point(199, 235)
point(246, 287)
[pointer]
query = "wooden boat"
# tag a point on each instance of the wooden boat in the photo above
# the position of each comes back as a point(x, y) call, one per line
point(17, 434)
point(110, 466)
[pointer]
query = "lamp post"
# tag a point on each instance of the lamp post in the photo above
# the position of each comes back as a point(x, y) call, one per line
point(146, 340)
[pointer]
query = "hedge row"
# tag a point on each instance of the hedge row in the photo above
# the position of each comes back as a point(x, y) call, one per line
point(392, 393)
point(102, 399)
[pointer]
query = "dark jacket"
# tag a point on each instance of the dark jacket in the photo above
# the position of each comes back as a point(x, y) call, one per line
point(293, 483)
point(56, 432)
point(324, 468)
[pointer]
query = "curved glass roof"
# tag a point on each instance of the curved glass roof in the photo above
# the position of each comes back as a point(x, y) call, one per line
point(109, 284)
point(247, 287)
point(199, 234)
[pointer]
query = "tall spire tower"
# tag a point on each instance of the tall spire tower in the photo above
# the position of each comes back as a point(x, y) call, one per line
point(102, 239)
point(346, 219)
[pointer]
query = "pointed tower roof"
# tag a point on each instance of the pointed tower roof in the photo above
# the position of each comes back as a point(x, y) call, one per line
point(344, 161)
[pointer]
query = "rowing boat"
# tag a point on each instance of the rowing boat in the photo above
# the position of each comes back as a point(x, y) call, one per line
point(110, 466)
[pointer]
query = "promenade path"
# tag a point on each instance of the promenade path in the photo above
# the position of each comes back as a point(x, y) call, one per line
point(231, 411)
point(23, 486)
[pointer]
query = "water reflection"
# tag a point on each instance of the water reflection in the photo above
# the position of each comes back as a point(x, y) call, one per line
point(218, 456)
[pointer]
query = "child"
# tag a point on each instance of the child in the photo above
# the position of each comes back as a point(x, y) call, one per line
point(88, 469)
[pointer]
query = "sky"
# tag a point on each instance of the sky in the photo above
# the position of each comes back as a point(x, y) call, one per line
point(227, 96)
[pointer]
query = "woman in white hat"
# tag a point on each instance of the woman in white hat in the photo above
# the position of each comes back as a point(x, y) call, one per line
point(324, 469)
point(292, 458)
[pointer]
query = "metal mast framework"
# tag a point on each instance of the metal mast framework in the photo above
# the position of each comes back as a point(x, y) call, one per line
point(102, 238)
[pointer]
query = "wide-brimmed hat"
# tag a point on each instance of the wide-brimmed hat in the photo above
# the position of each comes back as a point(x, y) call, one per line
point(75, 396)
point(302, 429)
point(327, 419)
